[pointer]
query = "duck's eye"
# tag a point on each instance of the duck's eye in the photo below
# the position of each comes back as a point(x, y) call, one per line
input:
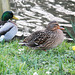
point(56, 24)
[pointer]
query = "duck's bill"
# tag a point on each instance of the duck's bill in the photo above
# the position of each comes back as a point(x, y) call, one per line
point(15, 18)
point(61, 28)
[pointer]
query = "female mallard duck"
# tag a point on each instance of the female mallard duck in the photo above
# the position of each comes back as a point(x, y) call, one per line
point(51, 37)
point(8, 29)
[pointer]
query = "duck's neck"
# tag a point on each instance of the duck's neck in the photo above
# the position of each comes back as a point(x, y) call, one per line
point(51, 31)
point(12, 22)
point(48, 30)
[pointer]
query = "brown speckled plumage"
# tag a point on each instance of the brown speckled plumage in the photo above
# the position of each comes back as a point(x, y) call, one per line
point(51, 37)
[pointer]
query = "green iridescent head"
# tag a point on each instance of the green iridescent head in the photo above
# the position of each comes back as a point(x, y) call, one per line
point(8, 15)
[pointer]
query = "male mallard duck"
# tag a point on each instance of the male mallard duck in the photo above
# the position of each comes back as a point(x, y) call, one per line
point(51, 37)
point(8, 29)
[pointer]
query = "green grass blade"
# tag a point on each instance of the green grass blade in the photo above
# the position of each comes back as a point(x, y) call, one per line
point(60, 65)
point(70, 34)
point(73, 25)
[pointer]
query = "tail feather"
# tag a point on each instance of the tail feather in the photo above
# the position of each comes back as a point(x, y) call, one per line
point(23, 44)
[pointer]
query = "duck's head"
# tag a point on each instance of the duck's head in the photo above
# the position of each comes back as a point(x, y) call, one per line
point(8, 15)
point(53, 25)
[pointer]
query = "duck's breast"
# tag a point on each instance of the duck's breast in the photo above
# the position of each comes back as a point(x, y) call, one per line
point(59, 38)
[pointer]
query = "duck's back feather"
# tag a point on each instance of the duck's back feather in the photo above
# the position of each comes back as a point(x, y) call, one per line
point(37, 38)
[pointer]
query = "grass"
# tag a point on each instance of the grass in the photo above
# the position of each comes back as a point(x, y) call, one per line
point(73, 28)
point(18, 60)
